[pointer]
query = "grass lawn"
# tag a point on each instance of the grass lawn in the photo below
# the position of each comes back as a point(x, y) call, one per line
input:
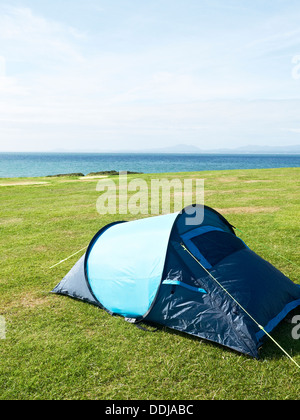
point(59, 348)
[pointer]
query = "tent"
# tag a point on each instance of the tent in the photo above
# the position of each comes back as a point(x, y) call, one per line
point(200, 279)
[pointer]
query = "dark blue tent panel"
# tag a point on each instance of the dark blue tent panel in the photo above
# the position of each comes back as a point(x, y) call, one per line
point(200, 279)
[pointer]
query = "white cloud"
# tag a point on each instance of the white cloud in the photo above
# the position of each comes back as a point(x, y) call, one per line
point(2, 66)
point(292, 130)
point(9, 85)
point(37, 51)
point(29, 37)
point(65, 84)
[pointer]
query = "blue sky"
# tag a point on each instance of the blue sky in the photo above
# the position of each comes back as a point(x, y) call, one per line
point(136, 74)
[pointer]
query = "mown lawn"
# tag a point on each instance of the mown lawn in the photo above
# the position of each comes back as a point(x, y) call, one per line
point(59, 348)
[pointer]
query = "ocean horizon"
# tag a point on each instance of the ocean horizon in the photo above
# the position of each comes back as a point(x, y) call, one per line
point(34, 164)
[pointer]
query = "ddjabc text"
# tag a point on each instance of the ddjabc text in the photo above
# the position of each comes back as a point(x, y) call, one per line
point(151, 409)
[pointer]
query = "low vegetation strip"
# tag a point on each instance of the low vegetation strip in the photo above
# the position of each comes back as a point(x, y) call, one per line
point(58, 348)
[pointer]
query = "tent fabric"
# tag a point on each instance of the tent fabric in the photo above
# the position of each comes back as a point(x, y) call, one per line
point(74, 284)
point(140, 270)
point(125, 264)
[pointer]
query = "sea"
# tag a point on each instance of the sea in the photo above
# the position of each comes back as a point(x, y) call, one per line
point(42, 164)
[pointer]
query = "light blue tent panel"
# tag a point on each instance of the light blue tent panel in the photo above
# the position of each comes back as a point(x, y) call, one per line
point(125, 264)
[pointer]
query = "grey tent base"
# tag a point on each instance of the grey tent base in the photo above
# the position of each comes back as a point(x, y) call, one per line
point(75, 285)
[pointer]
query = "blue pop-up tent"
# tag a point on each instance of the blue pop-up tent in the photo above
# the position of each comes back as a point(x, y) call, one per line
point(198, 278)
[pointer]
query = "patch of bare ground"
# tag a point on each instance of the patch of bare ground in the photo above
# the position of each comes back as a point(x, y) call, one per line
point(247, 210)
point(240, 191)
point(10, 221)
point(31, 301)
point(228, 179)
point(16, 183)
point(26, 301)
point(91, 177)
point(252, 181)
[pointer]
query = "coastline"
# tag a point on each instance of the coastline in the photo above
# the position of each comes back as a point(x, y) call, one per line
point(51, 164)
point(39, 180)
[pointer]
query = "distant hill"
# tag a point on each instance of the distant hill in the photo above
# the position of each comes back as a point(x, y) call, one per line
point(178, 148)
point(269, 149)
point(187, 148)
point(255, 149)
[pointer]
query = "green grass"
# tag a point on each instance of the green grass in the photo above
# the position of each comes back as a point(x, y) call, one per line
point(59, 348)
